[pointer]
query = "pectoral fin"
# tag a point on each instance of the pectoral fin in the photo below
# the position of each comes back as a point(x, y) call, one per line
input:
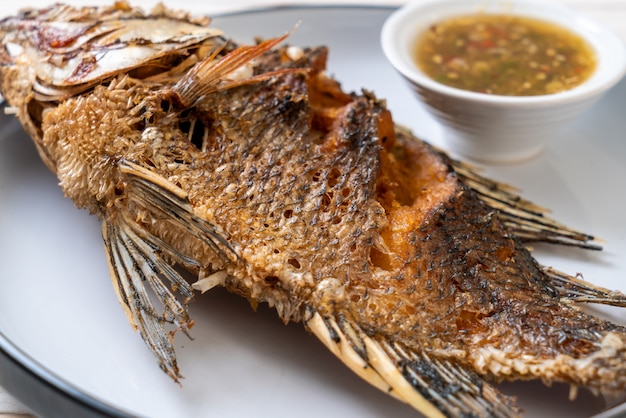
point(215, 74)
point(154, 295)
point(169, 202)
point(574, 289)
point(135, 267)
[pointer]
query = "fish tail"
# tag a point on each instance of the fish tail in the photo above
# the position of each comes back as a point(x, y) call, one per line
point(525, 220)
point(575, 289)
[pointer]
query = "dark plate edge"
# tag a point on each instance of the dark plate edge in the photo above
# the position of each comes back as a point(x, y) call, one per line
point(43, 392)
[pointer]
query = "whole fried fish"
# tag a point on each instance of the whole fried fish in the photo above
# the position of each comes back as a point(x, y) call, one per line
point(248, 166)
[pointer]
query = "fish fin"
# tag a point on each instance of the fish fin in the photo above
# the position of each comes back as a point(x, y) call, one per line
point(525, 220)
point(165, 199)
point(211, 75)
point(153, 294)
point(575, 289)
point(435, 387)
point(135, 262)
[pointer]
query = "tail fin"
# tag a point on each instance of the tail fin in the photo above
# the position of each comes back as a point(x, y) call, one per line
point(527, 221)
point(574, 289)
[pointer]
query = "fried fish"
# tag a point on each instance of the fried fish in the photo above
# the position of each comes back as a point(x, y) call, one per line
point(250, 167)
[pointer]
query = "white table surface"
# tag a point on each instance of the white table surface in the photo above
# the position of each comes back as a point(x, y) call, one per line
point(612, 13)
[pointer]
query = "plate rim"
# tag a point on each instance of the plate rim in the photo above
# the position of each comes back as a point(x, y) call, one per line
point(43, 391)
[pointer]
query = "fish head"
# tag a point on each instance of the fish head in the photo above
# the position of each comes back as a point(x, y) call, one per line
point(60, 52)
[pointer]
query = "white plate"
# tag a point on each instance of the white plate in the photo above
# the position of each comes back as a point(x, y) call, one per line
point(60, 319)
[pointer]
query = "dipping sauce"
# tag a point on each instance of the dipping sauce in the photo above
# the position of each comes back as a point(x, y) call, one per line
point(505, 55)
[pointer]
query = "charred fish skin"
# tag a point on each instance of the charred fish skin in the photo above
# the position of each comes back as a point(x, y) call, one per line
point(250, 167)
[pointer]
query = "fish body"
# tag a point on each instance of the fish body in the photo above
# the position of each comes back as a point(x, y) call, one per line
point(248, 166)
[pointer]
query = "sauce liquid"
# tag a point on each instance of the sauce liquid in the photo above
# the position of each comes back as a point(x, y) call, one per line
point(504, 55)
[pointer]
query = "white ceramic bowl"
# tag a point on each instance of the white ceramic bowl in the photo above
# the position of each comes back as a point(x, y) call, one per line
point(491, 127)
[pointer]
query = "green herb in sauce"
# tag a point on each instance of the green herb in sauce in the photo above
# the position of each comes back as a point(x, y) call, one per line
point(504, 55)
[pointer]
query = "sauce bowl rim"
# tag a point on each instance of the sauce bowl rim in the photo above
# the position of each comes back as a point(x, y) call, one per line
point(401, 29)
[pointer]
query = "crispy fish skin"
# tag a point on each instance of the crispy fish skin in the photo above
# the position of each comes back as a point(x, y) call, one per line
point(250, 167)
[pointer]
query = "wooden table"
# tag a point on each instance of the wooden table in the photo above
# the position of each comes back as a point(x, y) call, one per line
point(612, 13)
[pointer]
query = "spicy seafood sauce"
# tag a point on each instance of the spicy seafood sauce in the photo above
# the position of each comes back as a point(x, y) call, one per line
point(504, 55)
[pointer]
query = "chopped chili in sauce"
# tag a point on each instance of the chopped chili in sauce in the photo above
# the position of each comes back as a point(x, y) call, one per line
point(504, 55)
